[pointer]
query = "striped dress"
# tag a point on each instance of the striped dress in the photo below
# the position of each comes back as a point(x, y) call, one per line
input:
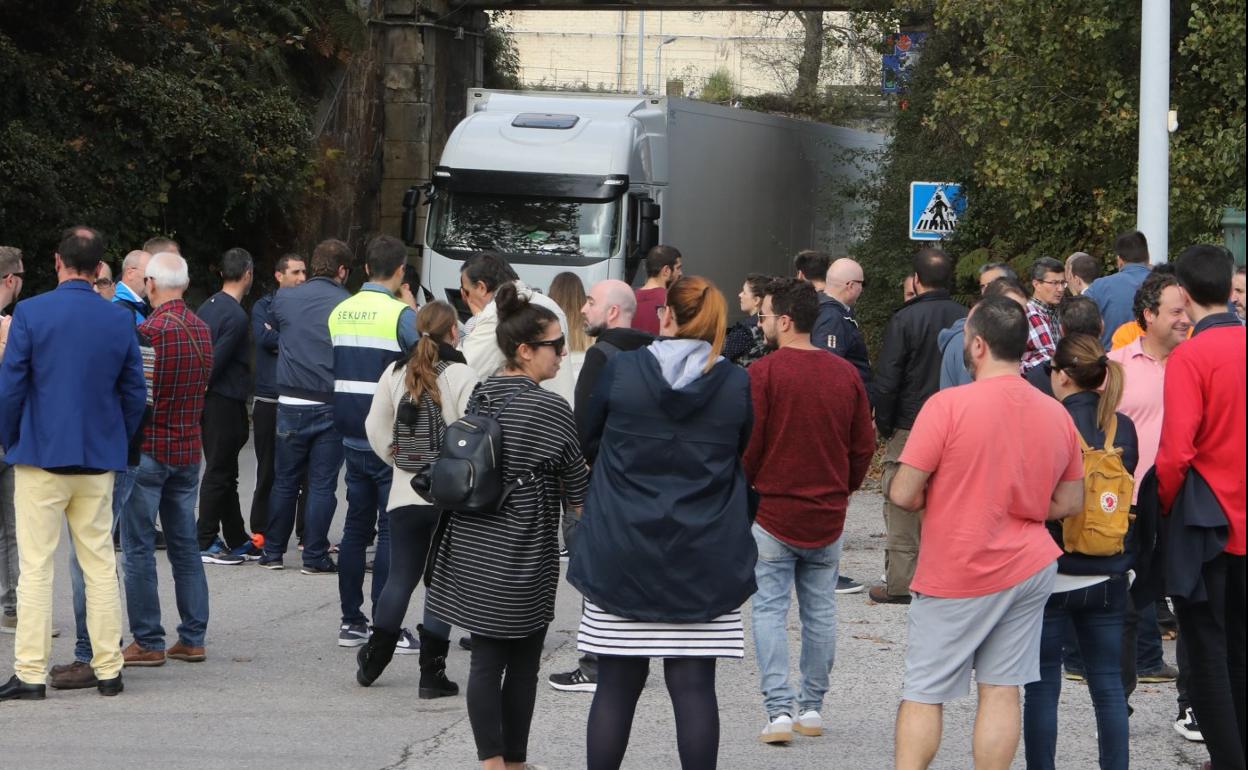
point(495, 574)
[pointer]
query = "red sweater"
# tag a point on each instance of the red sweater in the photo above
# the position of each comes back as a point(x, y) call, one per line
point(648, 303)
point(811, 444)
point(1203, 424)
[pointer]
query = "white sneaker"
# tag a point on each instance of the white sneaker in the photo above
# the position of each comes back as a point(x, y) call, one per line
point(1188, 728)
point(778, 730)
point(809, 723)
point(408, 644)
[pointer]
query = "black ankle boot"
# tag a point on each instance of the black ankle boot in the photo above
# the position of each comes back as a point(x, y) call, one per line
point(433, 681)
point(375, 655)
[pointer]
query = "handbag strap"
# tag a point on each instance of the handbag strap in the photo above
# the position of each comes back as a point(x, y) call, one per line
point(190, 335)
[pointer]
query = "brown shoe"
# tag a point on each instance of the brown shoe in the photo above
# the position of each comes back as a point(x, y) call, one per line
point(137, 655)
point(72, 676)
point(880, 595)
point(186, 652)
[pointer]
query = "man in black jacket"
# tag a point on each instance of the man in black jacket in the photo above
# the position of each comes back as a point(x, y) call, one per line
point(836, 329)
point(906, 374)
point(608, 313)
point(225, 425)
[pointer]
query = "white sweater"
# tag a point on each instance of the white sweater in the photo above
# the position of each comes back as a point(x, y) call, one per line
point(481, 349)
point(455, 384)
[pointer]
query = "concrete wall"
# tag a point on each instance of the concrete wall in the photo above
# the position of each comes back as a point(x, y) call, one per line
point(432, 54)
point(598, 50)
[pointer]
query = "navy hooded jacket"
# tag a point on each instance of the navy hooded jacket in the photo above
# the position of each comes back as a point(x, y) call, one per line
point(665, 535)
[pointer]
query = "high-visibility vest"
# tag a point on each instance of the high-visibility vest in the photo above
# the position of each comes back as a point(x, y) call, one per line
point(364, 331)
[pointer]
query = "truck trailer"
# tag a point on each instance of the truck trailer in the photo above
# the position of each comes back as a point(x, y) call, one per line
point(587, 183)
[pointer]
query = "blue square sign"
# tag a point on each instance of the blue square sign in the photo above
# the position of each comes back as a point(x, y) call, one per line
point(934, 209)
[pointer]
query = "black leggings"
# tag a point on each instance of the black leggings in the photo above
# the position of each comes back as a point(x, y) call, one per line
point(411, 531)
point(502, 687)
point(691, 685)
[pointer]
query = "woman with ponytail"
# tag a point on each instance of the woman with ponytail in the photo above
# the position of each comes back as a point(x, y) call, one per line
point(1090, 591)
point(663, 555)
point(432, 386)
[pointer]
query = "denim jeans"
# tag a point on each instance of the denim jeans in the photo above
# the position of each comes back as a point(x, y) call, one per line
point(368, 491)
point(1097, 613)
point(814, 570)
point(170, 491)
point(123, 482)
point(307, 443)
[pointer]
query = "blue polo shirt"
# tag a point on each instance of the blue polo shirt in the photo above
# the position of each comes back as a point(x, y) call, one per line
point(1115, 296)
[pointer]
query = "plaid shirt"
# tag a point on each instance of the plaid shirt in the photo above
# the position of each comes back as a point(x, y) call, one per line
point(1041, 334)
point(177, 361)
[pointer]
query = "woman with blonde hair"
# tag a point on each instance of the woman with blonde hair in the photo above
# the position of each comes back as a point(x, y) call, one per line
point(569, 293)
point(1090, 591)
point(663, 555)
point(414, 401)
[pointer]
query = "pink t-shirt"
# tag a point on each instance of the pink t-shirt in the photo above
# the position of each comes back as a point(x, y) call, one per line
point(1143, 392)
point(996, 449)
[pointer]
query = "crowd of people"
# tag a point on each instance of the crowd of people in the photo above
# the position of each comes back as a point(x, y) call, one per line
point(1062, 463)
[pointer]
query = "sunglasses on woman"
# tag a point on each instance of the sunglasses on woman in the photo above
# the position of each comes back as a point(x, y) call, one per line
point(557, 343)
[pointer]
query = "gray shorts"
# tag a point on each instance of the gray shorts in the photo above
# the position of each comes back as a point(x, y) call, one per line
point(997, 635)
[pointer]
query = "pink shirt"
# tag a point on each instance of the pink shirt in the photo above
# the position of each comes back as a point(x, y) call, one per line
point(996, 449)
point(1142, 400)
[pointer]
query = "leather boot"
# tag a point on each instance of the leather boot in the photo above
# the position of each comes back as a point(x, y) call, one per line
point(375, 655)
point(433, 681)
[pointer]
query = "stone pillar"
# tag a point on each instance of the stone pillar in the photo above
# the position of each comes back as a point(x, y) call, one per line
point(431, 56)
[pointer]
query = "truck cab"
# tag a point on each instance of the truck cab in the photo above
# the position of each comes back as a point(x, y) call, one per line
point(552, 184)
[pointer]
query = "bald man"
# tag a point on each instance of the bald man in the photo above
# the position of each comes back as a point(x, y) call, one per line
point(129, 289)
point(835, 329)
point(608, 312)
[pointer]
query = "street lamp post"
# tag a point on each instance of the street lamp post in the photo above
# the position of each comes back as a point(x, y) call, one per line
point(641, 52)
point(659, 90)
point(1153, 185)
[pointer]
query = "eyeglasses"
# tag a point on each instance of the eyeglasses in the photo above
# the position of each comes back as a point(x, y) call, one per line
point(557, 343)
point(770, 315)
point(18, 273)
point(1060, 282)
point(1049, 368)
point(852, 281)
point(103, 283)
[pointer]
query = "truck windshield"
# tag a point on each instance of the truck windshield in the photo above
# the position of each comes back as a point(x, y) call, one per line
point(513, 224)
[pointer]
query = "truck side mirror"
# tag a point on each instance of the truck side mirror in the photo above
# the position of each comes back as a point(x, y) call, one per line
point(411, 202)
point(648, 237)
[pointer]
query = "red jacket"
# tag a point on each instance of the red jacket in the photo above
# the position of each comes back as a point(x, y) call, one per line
point(1203, 425)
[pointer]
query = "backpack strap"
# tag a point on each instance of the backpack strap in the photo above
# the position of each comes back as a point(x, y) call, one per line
point(1112, 433)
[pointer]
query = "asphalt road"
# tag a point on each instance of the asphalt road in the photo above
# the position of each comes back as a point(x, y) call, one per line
point(276, 692)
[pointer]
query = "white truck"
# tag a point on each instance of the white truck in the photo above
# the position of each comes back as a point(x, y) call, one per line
point(587, 183)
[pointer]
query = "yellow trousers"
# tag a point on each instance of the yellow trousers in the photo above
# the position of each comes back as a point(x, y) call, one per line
point(42, 501)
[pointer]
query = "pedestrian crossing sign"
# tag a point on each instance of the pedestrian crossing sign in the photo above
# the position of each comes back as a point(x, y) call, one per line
point(934, 209)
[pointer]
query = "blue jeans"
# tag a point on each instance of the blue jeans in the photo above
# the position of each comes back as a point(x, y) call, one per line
point(1148, 648)
point(168, 491)
point(123, 482)
point(368, 491)
point(814, 570)
point(1097, 613)
point(307, 443)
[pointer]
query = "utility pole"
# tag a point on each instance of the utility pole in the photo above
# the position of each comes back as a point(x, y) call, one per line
point(1152, 208)
point(641, 52)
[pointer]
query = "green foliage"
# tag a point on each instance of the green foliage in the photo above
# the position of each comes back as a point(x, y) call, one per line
point(502, 59)
point(184, 117)
point(719, 87)
point(1034, 107)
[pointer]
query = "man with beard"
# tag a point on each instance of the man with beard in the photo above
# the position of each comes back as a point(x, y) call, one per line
point(810, 448)
point(609, 311)
point(663, 267)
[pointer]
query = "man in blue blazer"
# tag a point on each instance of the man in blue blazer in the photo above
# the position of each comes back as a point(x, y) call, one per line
point(71, 395)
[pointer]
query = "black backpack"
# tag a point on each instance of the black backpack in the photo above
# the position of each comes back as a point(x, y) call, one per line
point(467, 477)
